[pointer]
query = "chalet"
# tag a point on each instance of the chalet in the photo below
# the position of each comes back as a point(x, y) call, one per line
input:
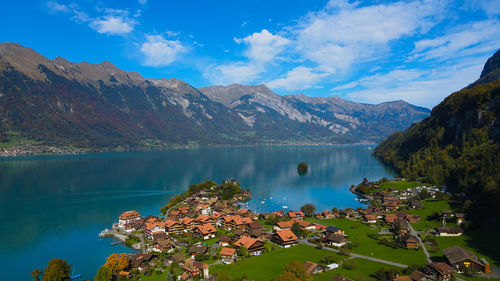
point(139, 261)
point(253, 245)
point(173, 227)
point(179, 257)
point(412, 218)
point(228, 255)
point(203, 267)
point(339, 277)
point(313, 268)
point(174, 215)
point(240, 232)
point(461, 259)
point(284, 238)
point(438, 271)
point(402, 278)
point(333, 230)
point(326, 214)
point(205, 231)
point(304, 225)
point(449, 231)
point(391, 204)
point(188, 224)
point(295, 215)
point(204, 209)
point(351, 213)
point(409, 241)
point(415, 204)
point(447, 214)
point(191, 270)
point(281, 225)
point(128, 217)
point(243, 212)
point(197, 249)
point(163, 245)
point(417, 275)
point(255, 225)
point(152, 228)
point(370, 219)
point(460, 217)
point(336, 240)
point(235, 222)
point(390, 218)
point(224, 240)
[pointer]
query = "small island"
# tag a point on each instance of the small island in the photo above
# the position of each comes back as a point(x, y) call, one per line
point(302, 168)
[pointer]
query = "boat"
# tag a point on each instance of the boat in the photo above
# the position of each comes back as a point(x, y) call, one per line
point(284, 207)
point(73, 276)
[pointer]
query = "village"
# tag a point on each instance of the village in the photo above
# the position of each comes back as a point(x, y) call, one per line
point(206, 234)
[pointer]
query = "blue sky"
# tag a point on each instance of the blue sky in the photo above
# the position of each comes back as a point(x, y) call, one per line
point(365, 51)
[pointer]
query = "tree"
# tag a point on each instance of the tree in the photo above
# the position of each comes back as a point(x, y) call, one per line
point(57, 270)
point(308, 209)
point(298, 270)
point(302, 168)
point(384, 274)
point(117, 262)
point(103, 274)
point(242, 251)
point(297, 230)
point(287, 276)
point(36, 274)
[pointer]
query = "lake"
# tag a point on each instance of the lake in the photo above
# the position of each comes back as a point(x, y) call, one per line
point(55, 206)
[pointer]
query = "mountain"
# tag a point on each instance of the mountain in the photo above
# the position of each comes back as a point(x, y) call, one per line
point(60, 103)
point(458, 145)
point(265, 110)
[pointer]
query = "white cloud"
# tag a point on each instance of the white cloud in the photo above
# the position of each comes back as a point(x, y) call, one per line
point(349, 85)
point(161, 52)
point(343, 34)
point(237, 72)
point(263, 46)
point(420, 87)
point(142, 2)
point(55, 7)
point(465, 40)
point(112, 25)
point(298, 78)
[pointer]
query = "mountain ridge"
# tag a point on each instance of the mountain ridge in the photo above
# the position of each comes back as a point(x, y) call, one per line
point(58, 102)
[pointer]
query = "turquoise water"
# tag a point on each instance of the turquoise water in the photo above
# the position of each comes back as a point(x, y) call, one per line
point(54, 206)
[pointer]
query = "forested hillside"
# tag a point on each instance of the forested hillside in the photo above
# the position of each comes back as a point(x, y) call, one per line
point(458, 145)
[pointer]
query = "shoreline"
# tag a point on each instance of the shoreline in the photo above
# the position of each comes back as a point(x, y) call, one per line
point(6, 153)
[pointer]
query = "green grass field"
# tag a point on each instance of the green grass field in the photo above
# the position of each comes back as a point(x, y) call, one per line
point(430, 206)
point(400, 185)
point(357, 232)
point(270, 265)
point(364, 271)
point(154, 277)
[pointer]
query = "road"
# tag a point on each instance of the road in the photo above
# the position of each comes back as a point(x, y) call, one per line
point(414, 233)
point(302, 241)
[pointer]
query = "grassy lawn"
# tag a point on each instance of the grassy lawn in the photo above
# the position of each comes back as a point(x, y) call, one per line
point(363, 270)
point(211, 241)
point(430, 206)
point(270, 265)
point(400, 185)
point(357, 232)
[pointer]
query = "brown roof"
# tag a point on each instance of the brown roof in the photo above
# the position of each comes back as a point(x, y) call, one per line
point(286, 235)
point(402, 278)
point(416, 276)
point(370, 217)
point(284, 224)
point(336, 238)
point(225, 238)
point(310, 266)
point(129, 215)
point(206, 228)
point(170, 223)
point(227, 251)
point(442, 268)
point(456, 254)
point(246, 241)
point(409, 238)
point(254, 225)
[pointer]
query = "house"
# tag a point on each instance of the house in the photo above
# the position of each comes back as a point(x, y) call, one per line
point(415, 204)
point(449, 231)
point(197, 249)
point(224, 240)
point(336, 240)
point(390, 218)
point(205, 231)
point(295, 215)
point(439, 271)
point(163, 245)
point(188, 224)
point(412, 218)
point(173, 227)
point(128, 217)
point(203, 267)
point(461, 259)
point(242, 212)
point(339, 277)
point(333, 230)
point(447, 214)
point(139, 261)
point(191, 270)
point(313, 268)
point(253, 245)
point(460, 217)
point(370, 219)
point(409, 241)
point(304, 225)
point(228, 255)
point(284, 238)
point(255, 225)
point(417, 276)
point(326, 214)
point(281, 225)
point(152, 228)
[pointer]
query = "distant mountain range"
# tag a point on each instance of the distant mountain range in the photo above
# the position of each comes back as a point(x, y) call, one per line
point(60, 103)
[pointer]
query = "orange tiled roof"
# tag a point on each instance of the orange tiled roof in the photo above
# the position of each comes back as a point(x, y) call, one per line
point(286, 235)
point(246, 241)
point(129, 215)
point(207, 228)
point(227, 251)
